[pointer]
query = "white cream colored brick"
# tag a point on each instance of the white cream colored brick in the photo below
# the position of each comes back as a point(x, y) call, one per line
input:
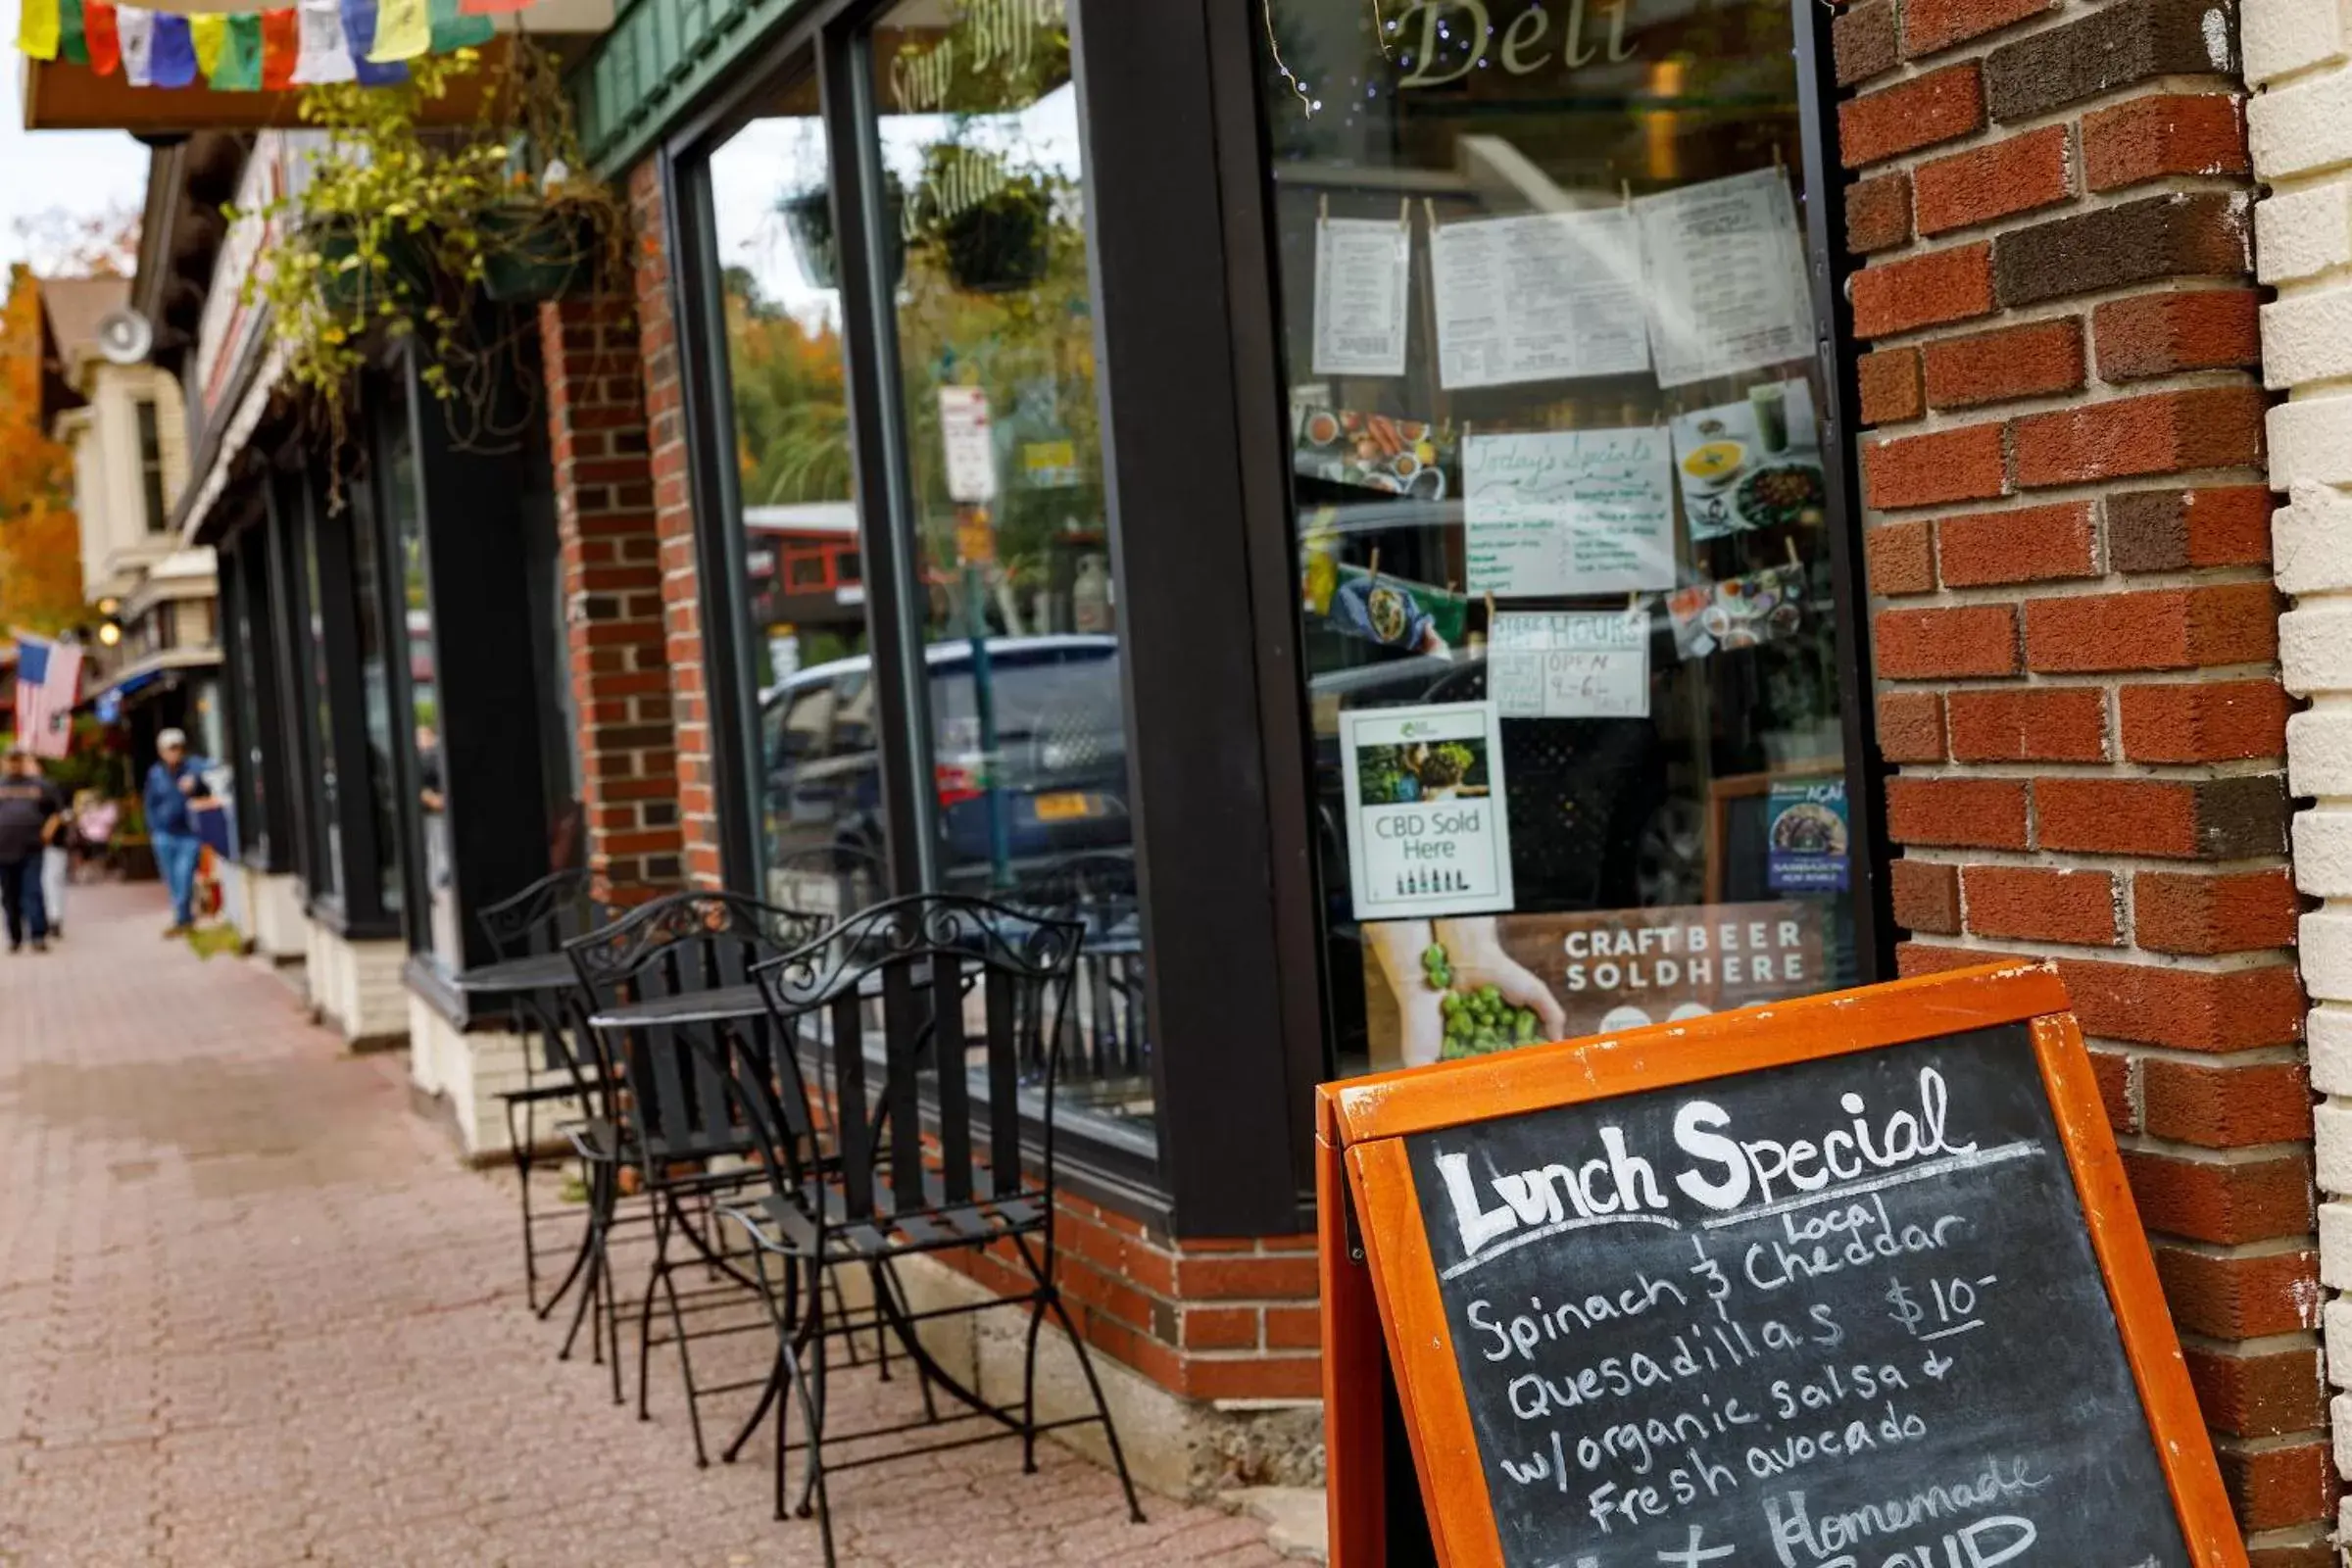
point(2326, 956)
point(2302, 233)
point(2276, 37)
point(2310, 441)
point(2319, 753)
point(2332, 1144)
point(2335, 1249)
point(2307, 337)
point(2324, 852)
point(2338, 1330)
point(2328, 1032)
point(2301, 128)
point(2339, 1412)
point(2311, 541)
point(2315, 649)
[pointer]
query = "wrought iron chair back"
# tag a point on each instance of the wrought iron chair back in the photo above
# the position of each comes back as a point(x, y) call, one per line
point(674, 948)
point(921, 957)
point(541, 918)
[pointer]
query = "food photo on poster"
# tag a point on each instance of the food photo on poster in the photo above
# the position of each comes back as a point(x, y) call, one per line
point(1445, 988)
point(1753, 464)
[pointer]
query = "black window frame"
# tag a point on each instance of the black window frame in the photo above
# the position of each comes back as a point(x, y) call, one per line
point(1179, 217)
point(258, 737)
point(150, 420)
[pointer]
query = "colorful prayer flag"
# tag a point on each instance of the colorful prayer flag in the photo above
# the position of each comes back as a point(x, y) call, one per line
point(281, 46)
point(72, 47)
point(210, 35)
point(322, 54)
point(134, 30)
point(359, 36)
point(37, 28)
point(453, 29)
point(171, 51)
point(101, 33)
point(404, 30)
point(240, 68)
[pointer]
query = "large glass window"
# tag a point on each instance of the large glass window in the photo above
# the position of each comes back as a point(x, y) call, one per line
point(376, 647)
point(404, 513)
point(1564, 543)
point(818, 780)
point(985, 192)
point(328, 880)
point(156, 512)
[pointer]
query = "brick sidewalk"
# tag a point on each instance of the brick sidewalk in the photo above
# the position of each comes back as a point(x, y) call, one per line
point(253, 1311)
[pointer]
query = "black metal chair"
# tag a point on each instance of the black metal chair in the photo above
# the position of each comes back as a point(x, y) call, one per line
point(539, 920)
point(887, 1183)
point(669, 1120)
point(1112, 1034)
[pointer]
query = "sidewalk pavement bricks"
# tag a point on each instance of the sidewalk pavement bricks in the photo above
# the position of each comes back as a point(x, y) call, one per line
point(254, 1311)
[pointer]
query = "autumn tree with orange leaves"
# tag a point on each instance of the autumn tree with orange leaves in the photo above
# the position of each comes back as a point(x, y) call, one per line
point(41, 545)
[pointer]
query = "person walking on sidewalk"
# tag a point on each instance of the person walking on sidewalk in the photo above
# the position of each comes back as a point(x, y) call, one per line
point(57, 865)
point(175, 778)
point(29, 806)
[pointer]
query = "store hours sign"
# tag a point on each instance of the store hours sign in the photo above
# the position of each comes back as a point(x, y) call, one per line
point(1428, 832)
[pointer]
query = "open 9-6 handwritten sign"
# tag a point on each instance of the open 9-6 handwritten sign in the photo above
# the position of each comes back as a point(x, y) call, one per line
point(1845, 1283)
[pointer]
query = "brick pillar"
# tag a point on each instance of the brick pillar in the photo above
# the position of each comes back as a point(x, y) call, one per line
point(611, 590)
point(2300, 57)
point(2076, 631)
point(673, 521)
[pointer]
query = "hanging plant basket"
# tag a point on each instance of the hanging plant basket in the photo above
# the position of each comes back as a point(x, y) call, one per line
point(353, 288)
point(808, 224)
point(533, 253)
point(1001, 245)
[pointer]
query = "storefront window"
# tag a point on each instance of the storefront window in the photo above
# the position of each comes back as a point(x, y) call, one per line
point(984, 184)
point(329, 868)
point(824, 836)
point(375, 647)
point(444, 939)
point(1565, 539)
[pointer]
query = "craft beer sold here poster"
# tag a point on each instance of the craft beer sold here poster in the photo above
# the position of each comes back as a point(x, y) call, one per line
point(1618, 970)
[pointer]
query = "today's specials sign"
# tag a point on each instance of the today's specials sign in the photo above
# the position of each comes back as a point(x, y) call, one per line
point(1852, 1282)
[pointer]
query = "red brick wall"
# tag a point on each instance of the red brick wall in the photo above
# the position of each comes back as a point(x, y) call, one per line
point(681, 583)
point(2076, 632)
point(1206, 1320)
point(611, 590)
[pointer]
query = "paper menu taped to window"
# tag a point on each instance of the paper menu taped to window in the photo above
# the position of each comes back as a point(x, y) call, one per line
point(1547, 297)
point(1363, 272)
point(1723, 273)
point(1568, 512)
point(1569, 665)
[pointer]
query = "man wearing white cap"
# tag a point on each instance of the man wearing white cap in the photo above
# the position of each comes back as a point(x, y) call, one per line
point(175, 777)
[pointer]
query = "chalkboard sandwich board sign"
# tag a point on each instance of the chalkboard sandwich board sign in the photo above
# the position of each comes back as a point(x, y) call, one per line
point(1852, 1282)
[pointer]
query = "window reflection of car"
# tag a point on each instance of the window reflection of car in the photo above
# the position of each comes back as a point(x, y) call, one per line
point(1058, 765)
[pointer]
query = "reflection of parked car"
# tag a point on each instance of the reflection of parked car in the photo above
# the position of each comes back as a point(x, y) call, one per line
point(1058, 766)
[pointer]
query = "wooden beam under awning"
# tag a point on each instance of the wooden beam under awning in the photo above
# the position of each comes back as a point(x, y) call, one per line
point(65, 97)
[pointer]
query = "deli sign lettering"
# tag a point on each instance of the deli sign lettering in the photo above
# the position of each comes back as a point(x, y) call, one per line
point(1444, 40)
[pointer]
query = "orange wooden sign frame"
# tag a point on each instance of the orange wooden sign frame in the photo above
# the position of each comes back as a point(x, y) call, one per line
point(1385, 1301)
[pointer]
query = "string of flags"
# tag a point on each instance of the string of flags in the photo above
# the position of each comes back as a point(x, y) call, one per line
point(313, 42)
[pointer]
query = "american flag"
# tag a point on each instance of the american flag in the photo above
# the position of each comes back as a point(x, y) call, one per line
point(48, 683)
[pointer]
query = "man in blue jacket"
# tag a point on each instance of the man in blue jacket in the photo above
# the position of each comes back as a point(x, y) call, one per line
point(172, 782)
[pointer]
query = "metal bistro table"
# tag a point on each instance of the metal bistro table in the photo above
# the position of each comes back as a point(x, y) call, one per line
point(533, 986)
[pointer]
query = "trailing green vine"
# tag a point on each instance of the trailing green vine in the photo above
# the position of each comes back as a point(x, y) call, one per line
point(394, 230)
